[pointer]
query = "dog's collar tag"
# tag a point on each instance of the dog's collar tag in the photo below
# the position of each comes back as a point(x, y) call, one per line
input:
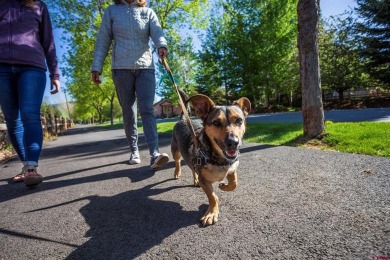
point(203, 159)
point(199, 161)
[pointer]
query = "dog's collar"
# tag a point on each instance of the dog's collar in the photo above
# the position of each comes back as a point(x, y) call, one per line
point(204, 158)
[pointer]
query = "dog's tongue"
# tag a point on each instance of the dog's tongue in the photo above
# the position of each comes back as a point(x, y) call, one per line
point(231, 153)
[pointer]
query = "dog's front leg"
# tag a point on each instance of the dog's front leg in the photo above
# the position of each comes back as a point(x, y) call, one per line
point(232, 182)
point(211, 215)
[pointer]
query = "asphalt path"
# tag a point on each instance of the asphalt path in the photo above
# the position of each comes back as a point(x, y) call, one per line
point(290, 203)
point(342, 115)
point(345, 115)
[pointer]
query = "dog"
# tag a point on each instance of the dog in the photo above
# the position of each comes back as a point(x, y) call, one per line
point(212, 152)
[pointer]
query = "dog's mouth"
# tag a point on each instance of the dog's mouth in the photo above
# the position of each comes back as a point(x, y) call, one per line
point(231, 154)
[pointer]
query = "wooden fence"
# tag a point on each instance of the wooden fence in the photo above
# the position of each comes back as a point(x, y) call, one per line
point(55, 125)
point(50, 126)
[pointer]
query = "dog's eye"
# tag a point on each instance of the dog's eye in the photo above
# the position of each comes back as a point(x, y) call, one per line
point(239, 121)
point(217, 123)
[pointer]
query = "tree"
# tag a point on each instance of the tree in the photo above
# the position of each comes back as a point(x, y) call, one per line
point(214, 71)
point(249, 49)
point(50, 110)
point(373, 31)
point(312, 109)
point(80, 21)
point(183, 64)
point(180, 20)
point(341, 67)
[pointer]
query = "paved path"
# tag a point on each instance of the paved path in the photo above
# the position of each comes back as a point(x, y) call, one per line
point(346, 115)
point(290, 203)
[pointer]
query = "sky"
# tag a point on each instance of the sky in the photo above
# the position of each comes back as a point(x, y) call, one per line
point(335, 7)
point(328, 8)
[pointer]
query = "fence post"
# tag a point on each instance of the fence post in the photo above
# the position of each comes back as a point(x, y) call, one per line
point(44, 123)
point(56, 124)
point(64, 123)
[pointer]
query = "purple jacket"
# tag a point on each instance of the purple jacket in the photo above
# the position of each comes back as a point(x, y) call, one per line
point(26, 36)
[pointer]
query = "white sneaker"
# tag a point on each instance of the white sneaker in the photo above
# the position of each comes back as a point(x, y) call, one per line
point(159, 160)
point(134, 158)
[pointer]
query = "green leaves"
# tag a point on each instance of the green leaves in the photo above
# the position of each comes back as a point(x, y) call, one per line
point(341, 67)
point(249, 49)
point(373, 31)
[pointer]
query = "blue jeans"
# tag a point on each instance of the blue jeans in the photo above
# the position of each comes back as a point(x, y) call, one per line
point(137, 85)
point(21, 94)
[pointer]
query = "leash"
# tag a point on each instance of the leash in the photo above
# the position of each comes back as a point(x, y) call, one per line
point(204, 157)
point(183, 107)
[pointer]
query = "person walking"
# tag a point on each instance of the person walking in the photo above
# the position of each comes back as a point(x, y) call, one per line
point(27, 50)
point(129, 25)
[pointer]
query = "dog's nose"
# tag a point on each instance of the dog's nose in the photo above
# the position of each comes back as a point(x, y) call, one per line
point(232, 142)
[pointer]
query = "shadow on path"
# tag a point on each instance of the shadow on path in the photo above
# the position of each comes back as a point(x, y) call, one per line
point(128, 224)
point(123, 226)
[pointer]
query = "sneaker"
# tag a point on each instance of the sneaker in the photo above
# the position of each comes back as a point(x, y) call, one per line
point(159, 160)
point(31, 177)
point(134, 158)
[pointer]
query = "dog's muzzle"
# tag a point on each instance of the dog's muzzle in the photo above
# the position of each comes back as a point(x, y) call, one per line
point(232, 145)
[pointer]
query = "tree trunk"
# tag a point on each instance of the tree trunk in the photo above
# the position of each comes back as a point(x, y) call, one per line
point(112, 109)
point(312, 109)
point(341, 95)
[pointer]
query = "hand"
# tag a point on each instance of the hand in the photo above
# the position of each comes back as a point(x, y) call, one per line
point(55, 86)
point(96, 77)
point(162, 52)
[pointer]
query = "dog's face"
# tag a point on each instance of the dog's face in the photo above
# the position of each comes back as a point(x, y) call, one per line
point(224, 125)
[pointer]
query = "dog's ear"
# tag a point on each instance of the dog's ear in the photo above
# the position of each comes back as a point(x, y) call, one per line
point(244, 104)
point(202, 105)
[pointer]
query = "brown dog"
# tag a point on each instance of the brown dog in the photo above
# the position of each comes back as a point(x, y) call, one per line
point(213, 153)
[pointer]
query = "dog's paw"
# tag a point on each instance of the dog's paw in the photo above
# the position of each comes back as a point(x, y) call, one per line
point(227, 186)
point(177, 174)
point(209, 218)
point(222, 186)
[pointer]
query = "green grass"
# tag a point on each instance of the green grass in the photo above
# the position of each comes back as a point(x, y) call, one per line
point(162, 128)
point(363, 137)
point(273, 133)
point(165, 127)
point(368, 138)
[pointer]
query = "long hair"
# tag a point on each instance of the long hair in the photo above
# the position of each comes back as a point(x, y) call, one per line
point(29, 3)
point(140, 3)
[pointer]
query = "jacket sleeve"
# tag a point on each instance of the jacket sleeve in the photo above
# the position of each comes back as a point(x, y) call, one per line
point(48, 45)
point(156, 32)
point(103, 42)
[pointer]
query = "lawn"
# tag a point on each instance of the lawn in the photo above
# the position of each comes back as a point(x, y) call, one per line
point(363, 137)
